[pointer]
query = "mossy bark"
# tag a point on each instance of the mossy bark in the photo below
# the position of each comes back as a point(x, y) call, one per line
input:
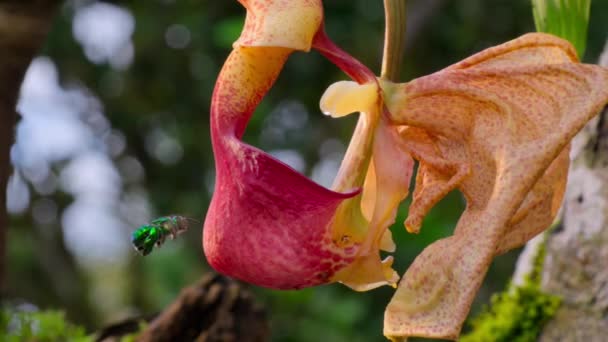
point(576, 262)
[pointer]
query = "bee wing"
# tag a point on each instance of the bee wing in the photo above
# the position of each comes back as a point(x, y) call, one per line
point(192, 220)
point(184, 223)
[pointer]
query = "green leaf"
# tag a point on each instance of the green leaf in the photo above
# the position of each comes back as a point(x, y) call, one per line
point(567, 19)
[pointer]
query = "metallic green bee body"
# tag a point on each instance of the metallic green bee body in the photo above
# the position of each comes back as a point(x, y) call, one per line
point(154, 234)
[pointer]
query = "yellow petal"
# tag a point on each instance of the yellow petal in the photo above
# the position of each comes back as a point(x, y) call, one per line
point(346, 97)
point(290, 24)
point(367, 231)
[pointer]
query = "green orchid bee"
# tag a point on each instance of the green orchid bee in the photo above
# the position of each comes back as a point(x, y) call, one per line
point(156, 232)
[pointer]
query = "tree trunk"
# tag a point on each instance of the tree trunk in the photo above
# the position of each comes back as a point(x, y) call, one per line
point(576, 262)
point(24, 25)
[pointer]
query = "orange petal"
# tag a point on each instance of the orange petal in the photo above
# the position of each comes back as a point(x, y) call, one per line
point(496, 126)
point(540, 206)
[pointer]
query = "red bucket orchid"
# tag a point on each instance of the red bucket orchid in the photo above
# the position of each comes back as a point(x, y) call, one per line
point(496, 126)
point(268, 224)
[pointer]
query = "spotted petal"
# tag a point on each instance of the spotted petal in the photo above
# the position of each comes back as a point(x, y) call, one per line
point(496, 126)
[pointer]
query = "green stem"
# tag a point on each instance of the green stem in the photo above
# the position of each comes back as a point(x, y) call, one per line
point(394, 39)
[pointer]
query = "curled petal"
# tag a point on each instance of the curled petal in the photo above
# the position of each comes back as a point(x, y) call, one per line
point(366, 225)
point(267, 224)
point(539, 208)
point(346, 97)
point(291, 24)
point(496, 126)
point(386, 186)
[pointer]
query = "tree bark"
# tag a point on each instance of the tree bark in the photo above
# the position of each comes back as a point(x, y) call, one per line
point(214, 309)
point(24, 25)
point(576, 262)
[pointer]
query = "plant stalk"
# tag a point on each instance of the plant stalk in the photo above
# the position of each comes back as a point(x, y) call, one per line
point(394, 39)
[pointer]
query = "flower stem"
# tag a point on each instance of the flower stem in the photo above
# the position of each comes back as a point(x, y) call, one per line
point(394, 39)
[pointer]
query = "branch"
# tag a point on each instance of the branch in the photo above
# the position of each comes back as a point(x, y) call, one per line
point(214, 309)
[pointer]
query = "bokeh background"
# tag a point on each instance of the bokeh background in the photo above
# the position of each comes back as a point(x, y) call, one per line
point(114, 131)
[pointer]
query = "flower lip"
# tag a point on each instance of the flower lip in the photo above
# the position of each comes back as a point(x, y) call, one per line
point(267, 224)
point(285, 243)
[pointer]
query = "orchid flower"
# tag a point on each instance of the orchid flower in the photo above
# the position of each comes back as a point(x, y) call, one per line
point(495, 126)
point(267, 224)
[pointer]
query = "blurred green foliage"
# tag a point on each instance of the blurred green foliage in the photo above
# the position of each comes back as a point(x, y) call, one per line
point(38, 326)
point(171, 88)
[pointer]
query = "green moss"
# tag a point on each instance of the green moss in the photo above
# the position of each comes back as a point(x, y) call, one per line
point(45, 326)
point(39, 326)
point(519, 313)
